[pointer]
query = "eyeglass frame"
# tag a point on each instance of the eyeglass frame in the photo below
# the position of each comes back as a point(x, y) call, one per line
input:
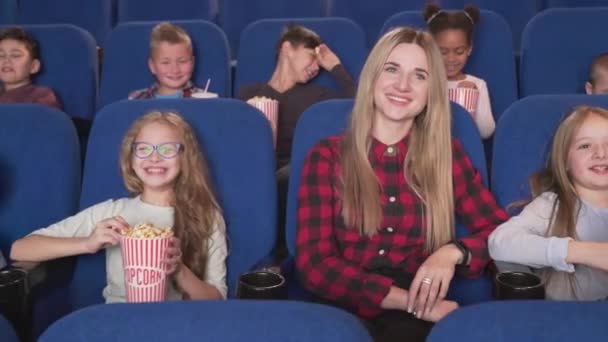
point(180, 147)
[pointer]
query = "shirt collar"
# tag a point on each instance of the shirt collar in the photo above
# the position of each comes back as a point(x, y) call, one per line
point(380, 150)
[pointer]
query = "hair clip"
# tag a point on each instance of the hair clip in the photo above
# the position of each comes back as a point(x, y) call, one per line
point(433, 16)
point(469, 16)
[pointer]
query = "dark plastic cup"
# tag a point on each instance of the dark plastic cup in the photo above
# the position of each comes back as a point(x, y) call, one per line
point(519, 285)
point(262, 285)
point(14, 299)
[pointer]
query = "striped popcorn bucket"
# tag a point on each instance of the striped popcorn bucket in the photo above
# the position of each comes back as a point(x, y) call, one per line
point(466, 97)
point(145, 278)
point(270, 108)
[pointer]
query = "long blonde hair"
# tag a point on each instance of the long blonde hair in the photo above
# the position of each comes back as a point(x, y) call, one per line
point(195, 206)
point(428, 163)
point(555, 178)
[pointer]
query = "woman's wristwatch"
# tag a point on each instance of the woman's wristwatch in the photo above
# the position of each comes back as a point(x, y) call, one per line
point(466, 253)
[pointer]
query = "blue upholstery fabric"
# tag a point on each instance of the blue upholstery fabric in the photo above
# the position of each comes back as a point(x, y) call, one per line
point(547, 66)
point(39, 170)
point(39, 185)
point(6, 331)
point(330, 118)
point(524, 321)
point(237, 141)
point(8, 11)
point(235, 15)
point(142, 10)
point(73, 76)
point(126, 55)
point(371, 15)
point(573, 3)
point(493, 47)
point(523, 139)
point(516, 12)
point(227, 321)
point(257, 55)
point(96, 17)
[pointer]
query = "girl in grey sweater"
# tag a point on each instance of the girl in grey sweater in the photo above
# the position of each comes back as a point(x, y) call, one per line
point(563, 232)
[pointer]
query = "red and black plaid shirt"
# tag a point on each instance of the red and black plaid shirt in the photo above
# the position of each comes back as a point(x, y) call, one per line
point(338, 264)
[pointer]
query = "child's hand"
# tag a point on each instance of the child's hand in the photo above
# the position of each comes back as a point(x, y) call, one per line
point(105, 234)
point(173, 256)
point(327, 59)
point(440, 310)
point(466, 84)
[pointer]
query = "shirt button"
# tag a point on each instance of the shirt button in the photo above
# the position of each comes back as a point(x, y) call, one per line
point(390, 150)
point(389, 229)
point(392, 199)
point(381, 252)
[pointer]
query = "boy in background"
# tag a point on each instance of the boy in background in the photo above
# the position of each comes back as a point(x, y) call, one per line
point(19, 62)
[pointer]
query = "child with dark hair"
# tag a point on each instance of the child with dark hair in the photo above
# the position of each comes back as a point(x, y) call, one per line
point(300, 55)
point(598, 75)
point(453, 33)
point(19, 61)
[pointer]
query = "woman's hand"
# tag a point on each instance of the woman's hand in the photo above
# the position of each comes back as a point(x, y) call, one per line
point(326, 58)
point(173, 256)
point(432, 280)
point(440, 310)
point(106, 234)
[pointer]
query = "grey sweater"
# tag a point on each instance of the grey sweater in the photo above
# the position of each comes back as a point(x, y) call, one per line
point(523, 240)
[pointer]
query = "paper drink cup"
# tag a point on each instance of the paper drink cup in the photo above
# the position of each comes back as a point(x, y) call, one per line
point(466, 97)
point(270, 108)
point(204, 95)
point(145, 275)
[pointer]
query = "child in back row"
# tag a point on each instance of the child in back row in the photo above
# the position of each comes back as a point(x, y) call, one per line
point(163, 167)
point(598, 76)
point(453, 33)
point(171, 61)
point(563, 233)
point(19, 62)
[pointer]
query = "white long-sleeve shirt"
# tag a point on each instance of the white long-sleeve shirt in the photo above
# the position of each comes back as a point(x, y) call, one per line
point(523, 240)
point(135, 211)
point(483, 116)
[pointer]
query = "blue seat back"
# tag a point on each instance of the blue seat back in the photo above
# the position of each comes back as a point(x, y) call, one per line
point(6, 331)
point(258, 53)
point(126, 56)
point(237, 142)
point(371, 15)
point(235, 15)
point(573, 3)
point(228, 321)
point(524, 321)
point(97, 17)
point(523, 140)
point(492, 47)
point(516, 12)
point(550, 67)
point(8, 12)
point(145, 10)
point(39, 170)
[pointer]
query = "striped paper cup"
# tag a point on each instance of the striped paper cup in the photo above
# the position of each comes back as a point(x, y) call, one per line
point(145, 276)
point(270, 108)
point(466, 97)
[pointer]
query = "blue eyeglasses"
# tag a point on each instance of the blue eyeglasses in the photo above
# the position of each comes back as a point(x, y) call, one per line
point(168, 150)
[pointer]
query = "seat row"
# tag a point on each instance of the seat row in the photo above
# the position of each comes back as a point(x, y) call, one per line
point(547, 67)
point(100, 16)
point(271, 321)
point(40, 176)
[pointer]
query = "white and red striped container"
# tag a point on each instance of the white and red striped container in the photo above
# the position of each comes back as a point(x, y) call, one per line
point(270, 108)
point(466, 97)
point(145, 275)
